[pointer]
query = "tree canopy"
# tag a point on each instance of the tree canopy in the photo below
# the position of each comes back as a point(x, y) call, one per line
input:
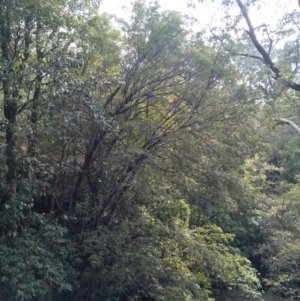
point(141, 160)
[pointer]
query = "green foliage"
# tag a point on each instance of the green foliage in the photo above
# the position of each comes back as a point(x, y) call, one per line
point(184, 262)
point(39, 267)
point(291, 160)
point(130, 166)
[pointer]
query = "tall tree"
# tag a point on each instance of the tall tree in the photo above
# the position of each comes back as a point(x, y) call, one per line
point(37, 55)
point(176, 112)
point(121, 157)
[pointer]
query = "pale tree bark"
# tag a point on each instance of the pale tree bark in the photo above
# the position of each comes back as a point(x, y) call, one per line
point(288, 122)
point(267, 60)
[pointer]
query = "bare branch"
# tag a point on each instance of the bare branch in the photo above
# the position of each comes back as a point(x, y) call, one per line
point(293, 125)
point(265, 55)
point(268, 61)
point(251, 56)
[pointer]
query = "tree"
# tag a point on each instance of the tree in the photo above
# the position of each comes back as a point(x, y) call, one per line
point(36, 56)
point(174, 116)
point(275, 220)
point(121, 157)
point(284, 72)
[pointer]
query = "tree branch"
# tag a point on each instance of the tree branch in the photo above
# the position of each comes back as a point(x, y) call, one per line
point(265, 55)
point(293, 125)
point(268, 61)
point(251, 56)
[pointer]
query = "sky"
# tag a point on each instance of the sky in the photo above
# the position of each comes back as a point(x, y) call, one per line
point(121, 8)
point(115, 6)
point(269, 11)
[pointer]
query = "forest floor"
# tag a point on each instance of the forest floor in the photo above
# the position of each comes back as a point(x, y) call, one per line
point(236, 295)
